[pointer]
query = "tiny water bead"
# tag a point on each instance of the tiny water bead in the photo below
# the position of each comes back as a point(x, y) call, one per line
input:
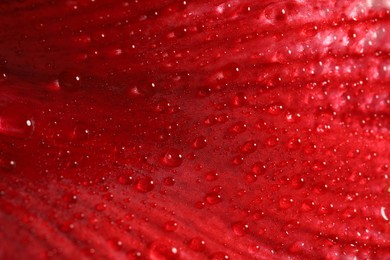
point(237, 160)
point(250, 177)
point(197, 244)
point(213, 198)
point(294, 143)
point(297, 247)
point(70, 80)
point(100, 207)
point(238, 128)
point(125, 180)
point(169, 181)
point(258, 168)
point(272, 141)
point(16, 121)
point(163, 250)
point(219, 256)
point(80, 132)
point(297, 181)
point(240, 228)
point(307, 205)
point(6, 164)
point(285, 202)
point(249, 147)
point(211, 175)
point(172, 158)
point(170, 226)
point(199, 142)
point(144, 184)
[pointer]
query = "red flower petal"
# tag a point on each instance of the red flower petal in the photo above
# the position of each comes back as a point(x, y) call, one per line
point(191, 130)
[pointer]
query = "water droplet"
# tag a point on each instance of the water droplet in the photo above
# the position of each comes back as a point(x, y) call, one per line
point(6, 164)
point(169, 181)
point(80, 132)
point(222, 118)
point(237, 160)
point(249, 147)
point(163, 250)
point(213, 198)
point(297, 182)
point(145, 184)
point(70, 198)
point(310, 149)
point(239, 100)
point(240, 228)
point(115, 244)
point(70, 80)
point(211, 175)
point(272, 141)
point(100, 207)
point(67, 226)
point(170, 226)
point(325, 209)
point(125, 180)
point(320, 188)
point(219, 256)
point(204, 92)
point(285, 202)
point(199, 205)
point(197, 244)
point(16, 121)
point(172, 158)
point(297, 247)
point(318, 166)
point(294, 143)
point(139, 91)
point(258, 168)
point(250, 177)
point(3, 73)
point(238, 128)
point(274, 109)
point(199, 142)
point(307, 205)
point(261, 124)
point(349, 213)
point(292, 117)
point(257, 215)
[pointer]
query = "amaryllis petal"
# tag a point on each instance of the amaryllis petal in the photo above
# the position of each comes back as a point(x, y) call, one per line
point(194, 129)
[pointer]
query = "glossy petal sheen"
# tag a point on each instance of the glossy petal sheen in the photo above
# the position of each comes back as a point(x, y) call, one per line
point(194, 129)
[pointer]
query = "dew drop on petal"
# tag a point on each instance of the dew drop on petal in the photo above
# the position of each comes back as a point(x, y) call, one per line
point(197, 244)
point(238, 128)
point(272, 141)
point(285, 202)
point(169, 181)
point(162, 250)
point(211, 175)
point(240, 228)
point(199, 142)
point(16, 121)
point(219, 256)
point(249, 147)
point(70, 80)
point(172, 158)
point(100, 207)
point(250, 177)
point(213, 198)
point(6, 164)
point(258, 168)
point(307, 205)
point(144, 184)
point(170, 226)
